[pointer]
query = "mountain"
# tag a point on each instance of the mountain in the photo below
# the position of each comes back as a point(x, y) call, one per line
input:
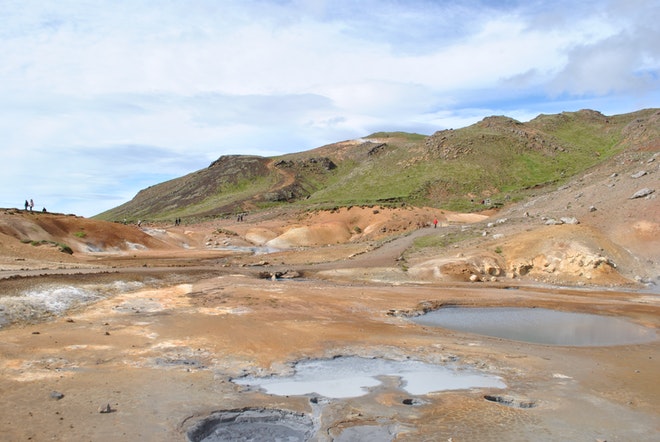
point(494, 161)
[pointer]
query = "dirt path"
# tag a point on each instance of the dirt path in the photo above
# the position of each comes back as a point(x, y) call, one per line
point(388, 254)
point(288, 177)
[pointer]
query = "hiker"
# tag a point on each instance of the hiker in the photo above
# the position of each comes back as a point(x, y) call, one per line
point(435, 223)
point(26, 205)
point(31, 204)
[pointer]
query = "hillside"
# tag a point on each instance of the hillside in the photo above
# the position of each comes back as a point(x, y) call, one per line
point(494, 161)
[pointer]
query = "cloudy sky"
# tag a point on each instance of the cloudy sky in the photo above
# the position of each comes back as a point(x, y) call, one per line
point(99, 99)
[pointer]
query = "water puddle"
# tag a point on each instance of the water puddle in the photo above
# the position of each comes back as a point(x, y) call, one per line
point(540, 326)
point(346, 377)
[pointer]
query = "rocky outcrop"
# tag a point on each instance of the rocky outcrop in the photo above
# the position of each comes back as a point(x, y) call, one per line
point(565, 254)
point(569, 265)
point(323, 163)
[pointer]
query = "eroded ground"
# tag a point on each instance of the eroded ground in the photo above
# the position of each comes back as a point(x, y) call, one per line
point(173, 313)
point(163, 358)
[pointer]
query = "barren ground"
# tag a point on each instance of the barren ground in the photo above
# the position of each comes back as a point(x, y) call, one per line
point(176, 312)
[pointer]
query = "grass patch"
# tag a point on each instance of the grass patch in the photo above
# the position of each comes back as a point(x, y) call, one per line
point(65, 249)
point(62, 247)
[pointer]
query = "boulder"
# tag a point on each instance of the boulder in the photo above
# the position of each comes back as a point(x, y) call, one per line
point(641, 193)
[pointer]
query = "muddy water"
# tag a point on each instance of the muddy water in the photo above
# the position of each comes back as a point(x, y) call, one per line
point(347, 377)
point(540, 326)
point(253, 425)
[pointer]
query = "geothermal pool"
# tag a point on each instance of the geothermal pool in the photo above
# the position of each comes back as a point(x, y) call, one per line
point(540, 326)
point(338, 378)
point(351, 376)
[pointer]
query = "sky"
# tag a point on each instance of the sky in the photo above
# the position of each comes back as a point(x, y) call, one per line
point(102, 98)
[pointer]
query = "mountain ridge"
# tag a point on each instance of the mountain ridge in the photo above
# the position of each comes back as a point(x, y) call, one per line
point(497, 159)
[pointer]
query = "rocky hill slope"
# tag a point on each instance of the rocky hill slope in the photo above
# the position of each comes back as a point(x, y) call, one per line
point(496, 160)
point(602, 226)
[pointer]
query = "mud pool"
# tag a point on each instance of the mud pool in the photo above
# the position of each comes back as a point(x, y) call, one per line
point(253, 425)
point(540, 326)
point(346, 377)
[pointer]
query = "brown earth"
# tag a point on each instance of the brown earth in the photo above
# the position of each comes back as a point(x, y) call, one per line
point(178, 311)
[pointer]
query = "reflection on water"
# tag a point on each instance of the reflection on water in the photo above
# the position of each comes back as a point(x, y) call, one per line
point(540, 326)
point(353, 376)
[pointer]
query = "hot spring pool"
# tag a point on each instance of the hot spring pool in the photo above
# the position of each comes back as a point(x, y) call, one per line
point(540, 326)
point(353, 376)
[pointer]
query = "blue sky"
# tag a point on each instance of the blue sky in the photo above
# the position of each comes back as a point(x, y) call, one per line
point(99, 99)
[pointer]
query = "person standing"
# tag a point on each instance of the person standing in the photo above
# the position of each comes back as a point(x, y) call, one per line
point(435, 223)
point(31, 204)
point(27, 204)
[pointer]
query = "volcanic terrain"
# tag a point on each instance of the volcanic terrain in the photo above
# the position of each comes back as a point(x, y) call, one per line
point(118, 331)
